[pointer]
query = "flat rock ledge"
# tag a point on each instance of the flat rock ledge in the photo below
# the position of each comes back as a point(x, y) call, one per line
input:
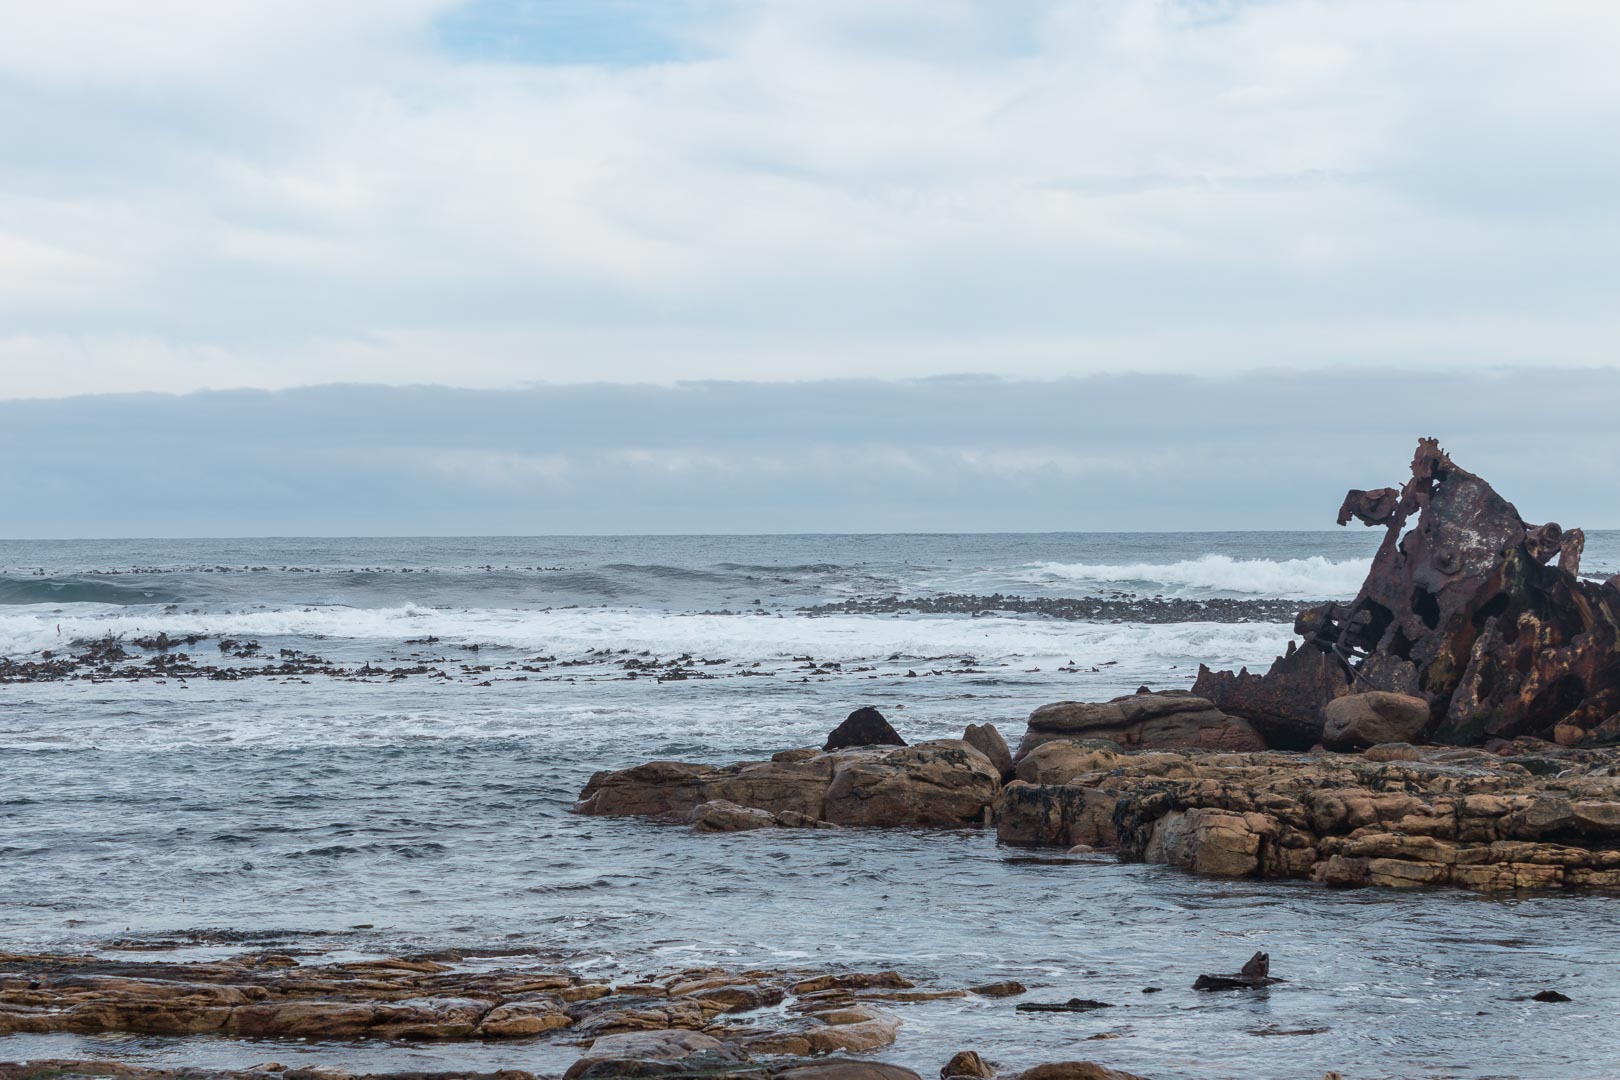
point(946, 783)
point(701, 1022)
point(1532, 816)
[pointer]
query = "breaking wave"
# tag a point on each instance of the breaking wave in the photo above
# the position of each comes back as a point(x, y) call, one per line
point(1313, 578)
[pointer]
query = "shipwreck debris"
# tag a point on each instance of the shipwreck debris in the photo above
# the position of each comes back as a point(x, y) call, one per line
point(1467, 609)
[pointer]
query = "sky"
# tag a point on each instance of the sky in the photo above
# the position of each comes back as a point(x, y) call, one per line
point(598, 201)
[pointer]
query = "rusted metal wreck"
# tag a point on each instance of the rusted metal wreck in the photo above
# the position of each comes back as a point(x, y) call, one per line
point(1482, 615)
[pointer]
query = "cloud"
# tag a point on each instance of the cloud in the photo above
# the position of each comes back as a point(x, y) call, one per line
point(500, 191)
point(1108, 453)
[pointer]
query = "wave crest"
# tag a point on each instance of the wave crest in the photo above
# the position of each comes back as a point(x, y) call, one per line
point(1313, 578)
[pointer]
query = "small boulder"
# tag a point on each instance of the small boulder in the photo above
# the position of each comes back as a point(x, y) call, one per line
point(843, 1069)
point(608, 1055)
point(719, 815)
point(1372, 718)
point(863, 727)
point(967, 1063)
point(1074, 1070)
point(988, 741)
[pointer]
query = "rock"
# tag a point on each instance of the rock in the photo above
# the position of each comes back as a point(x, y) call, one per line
point(1371, 718)
point(518, 1019)
point(1463, 610)
point(718, 815)
point(1170, 719)
point(1255, 973)
point(611, 1054)
point(1439, 816)
point(863, 727)
point(1209, 841)
point(988, 741)
point(835, 1069)
point(944, 783)
point(1550, 997)
point(1074, 1070)
point(1072, 1005)
point(967, 1063)
point(1059, 761)
point(1005, 988)
point(874, 980)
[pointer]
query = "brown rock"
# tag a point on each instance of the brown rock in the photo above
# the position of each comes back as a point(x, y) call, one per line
point(1074, 1070)
point(1170, 719)
point(988, 741)
point(967, 1063)
point(943, 783)
point(1368, 719)
point(718, 815)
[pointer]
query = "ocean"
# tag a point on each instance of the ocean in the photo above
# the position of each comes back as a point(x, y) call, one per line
point(374, 744)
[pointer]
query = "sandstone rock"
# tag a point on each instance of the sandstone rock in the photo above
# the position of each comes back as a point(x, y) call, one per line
point(967, 1063)
point(861, 980)
point(847, 1070)
point(718, 815)
point(518, 1019)
point(863, 727)
point(943, 783)
point(1061, 760)
point(1170, 719)
point(988, 741)
point(1438, 816)
point(1074, 1070)
point(610, 1055)
point(1368, 719)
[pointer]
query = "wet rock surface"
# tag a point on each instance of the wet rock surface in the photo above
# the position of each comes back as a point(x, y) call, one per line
point(1466, 610)
point(944, 783)
point(714, 1022)
point(1144, 720)
point(1531, 816)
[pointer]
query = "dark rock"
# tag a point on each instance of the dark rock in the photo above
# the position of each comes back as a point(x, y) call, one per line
point(1255, 973)
point(1006, 988)
point(863, 727)
point(1072, 1005)
point(1550, 997)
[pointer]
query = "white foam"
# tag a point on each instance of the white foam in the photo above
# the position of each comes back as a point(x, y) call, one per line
point(1310, 578)
point(572, 632)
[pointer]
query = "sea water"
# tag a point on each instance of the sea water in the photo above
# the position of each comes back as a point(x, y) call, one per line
point(433, 809)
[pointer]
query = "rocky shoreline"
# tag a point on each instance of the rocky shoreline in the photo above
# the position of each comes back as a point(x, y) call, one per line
point(711, 1022)
point(1531, 816)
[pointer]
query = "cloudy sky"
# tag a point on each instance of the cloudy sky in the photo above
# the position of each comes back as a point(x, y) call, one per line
point(525, 196)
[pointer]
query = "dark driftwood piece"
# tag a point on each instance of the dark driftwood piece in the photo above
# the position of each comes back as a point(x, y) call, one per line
point(1257, 972)
point(1072, 1005)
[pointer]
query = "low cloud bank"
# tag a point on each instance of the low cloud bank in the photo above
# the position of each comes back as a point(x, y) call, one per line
point(1125, 452)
